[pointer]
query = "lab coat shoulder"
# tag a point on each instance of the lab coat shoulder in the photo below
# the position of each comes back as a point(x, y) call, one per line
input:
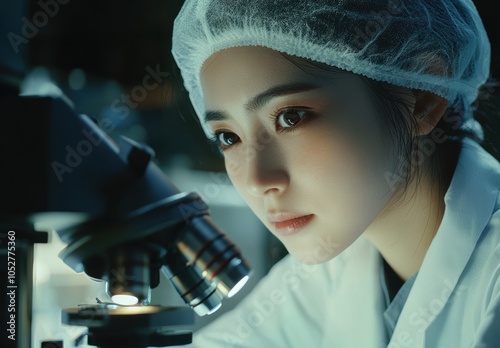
point(454, 301)
point(475, 302)
point(487, 334)
point(487, 253)
point(470, 317)
point(286, 308)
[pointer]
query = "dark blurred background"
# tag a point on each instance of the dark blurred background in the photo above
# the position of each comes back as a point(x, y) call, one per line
point(97, 52)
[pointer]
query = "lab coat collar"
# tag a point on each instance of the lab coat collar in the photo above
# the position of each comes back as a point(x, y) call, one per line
point(469, 203)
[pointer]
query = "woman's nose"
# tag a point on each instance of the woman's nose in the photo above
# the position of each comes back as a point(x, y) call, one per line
point(266, 173)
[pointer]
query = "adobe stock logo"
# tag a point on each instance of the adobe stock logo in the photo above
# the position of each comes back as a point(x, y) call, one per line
point(30, 28)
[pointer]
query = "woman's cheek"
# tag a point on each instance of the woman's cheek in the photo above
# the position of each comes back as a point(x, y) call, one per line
point(236, 164)
point(235, 159)
point(233, 167)
point(334, 167)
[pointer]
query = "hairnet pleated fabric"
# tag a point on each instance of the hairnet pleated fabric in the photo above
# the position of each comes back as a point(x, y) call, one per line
point(438, 46)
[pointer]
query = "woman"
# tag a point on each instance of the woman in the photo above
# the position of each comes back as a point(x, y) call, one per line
point(347, 128)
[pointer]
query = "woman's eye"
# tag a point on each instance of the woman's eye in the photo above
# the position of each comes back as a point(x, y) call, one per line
point(290, 118)
point(227, 139)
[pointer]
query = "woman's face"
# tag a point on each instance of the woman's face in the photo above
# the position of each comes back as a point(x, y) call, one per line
point(306, 151)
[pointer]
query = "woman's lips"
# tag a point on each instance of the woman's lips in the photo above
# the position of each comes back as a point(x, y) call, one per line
point(287, 224)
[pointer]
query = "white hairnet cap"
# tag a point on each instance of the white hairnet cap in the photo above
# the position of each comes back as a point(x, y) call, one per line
point(439, 46)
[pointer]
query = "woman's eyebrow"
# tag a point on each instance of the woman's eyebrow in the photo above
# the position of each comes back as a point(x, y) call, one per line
point(262, 98)
point(277, 91)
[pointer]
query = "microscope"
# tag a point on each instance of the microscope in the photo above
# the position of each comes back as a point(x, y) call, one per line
point(122, 219)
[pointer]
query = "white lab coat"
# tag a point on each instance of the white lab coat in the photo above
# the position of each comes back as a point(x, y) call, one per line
point(454, 302)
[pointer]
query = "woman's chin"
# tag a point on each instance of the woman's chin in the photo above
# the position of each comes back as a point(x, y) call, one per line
point(313, 256)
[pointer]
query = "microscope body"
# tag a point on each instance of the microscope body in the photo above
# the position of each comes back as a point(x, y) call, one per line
point(123, 221)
